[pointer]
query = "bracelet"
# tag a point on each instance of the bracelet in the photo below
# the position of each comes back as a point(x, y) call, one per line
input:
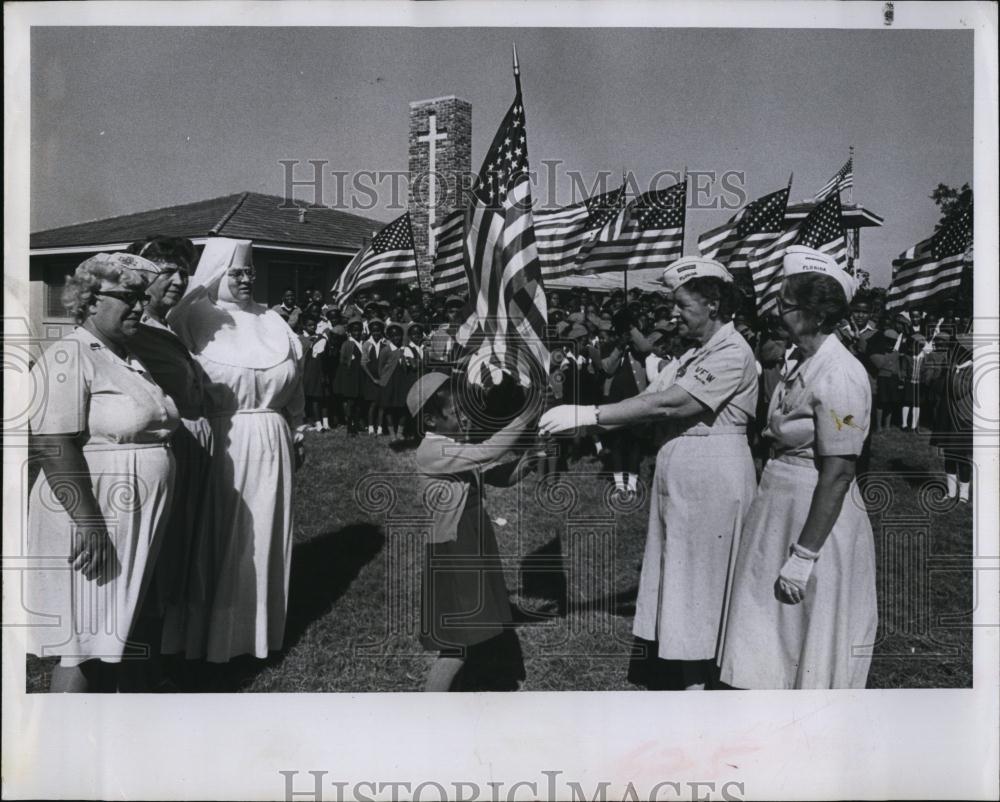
point(806, 554)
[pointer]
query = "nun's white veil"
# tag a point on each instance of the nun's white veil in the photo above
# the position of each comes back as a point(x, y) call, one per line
point(213, 325)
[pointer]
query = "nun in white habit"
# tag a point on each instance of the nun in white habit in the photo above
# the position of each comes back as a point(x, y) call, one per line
point(252, 361)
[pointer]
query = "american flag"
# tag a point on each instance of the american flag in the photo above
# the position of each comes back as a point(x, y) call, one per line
point(649, 232)
point(567, 236)
point(449, 265)
point(841, 180)
point(506, 330)
point(389, 258)
point(821, 229)
point(754, 226)
point(933, 267)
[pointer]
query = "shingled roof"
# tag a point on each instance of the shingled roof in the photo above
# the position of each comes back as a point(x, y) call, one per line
point(245, 215)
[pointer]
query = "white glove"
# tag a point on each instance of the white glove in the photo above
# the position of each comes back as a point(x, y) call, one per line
point(566, 418)
point(793, 578)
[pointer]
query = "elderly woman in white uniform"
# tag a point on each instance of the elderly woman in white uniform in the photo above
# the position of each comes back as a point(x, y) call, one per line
point(251, 360)
point(704, 480)
point(803, 607)
point(103, 495)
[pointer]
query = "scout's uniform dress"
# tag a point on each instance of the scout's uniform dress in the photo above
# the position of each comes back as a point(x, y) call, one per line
point(464, 595)
point(347, 381)
point(392, 374)
point(186, 564)
point(371, 352)
point(820, 408)
point(703, 485)
point(124, 423)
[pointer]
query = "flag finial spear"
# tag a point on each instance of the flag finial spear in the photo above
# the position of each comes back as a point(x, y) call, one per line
point(517, 69)
point(791, 175)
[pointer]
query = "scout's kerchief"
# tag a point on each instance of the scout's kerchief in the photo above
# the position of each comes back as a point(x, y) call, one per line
point(800, 259)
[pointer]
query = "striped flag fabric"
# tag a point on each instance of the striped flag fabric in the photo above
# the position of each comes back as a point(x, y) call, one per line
point(822, 229)
point(648, 232)
point(449, 261)
point(389, 258)
point(505, 333)
point(563, 236)
point(654, 231)
point(754, 226)
point(933, 267)
point(567, 236)
point(841, 180)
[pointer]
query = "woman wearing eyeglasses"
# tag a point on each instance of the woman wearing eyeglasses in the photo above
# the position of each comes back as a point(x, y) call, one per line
point(252, 362)
point(98, 509)
point(802, 611)
point(174, 619)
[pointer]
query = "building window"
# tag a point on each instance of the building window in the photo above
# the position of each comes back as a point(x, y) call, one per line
point(54, 277)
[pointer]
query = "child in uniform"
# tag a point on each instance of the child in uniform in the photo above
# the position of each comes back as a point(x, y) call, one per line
point(464, 596)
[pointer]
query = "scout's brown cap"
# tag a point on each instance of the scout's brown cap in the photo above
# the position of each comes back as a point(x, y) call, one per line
point(423, 389)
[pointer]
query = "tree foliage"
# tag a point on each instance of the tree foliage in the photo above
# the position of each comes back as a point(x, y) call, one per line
point(950, 201)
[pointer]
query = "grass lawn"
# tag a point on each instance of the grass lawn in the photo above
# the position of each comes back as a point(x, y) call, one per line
point(572, 561)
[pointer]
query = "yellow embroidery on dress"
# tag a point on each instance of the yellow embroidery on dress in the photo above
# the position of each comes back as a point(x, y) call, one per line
point(847, 420)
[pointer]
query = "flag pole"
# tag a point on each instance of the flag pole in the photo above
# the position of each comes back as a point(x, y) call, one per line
point(517, 70)
point(850, 189)
point(791, 175)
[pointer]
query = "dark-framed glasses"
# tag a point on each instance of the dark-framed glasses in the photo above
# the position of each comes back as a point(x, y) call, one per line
point(130, 297)
point(242, 274)
point(784, 306)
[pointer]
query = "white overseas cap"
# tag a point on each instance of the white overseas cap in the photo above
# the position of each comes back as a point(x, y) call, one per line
point(689, 267)
point(800, 259)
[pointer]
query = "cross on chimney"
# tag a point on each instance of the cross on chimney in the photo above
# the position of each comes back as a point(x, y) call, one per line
point(440, 150)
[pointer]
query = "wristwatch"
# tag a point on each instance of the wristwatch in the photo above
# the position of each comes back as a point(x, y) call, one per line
point(597, 415)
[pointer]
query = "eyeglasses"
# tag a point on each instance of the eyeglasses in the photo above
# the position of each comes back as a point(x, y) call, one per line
point(786, 307)
point(240, 275)
point(126, 297)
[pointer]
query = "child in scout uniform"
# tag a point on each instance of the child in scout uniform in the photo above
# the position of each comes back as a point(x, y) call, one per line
point(411, 368)
point(392, 375)
point(626, 377)
point(465, 602)
point(371, 384)
point(347, 381)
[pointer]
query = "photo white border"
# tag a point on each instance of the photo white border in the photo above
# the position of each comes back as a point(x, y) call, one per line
point(780, 745)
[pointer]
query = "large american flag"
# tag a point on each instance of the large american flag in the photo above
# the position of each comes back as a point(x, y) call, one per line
point(841, 180)
point(449, 260)
point(933, 267)
point(388, 259)
point(649, 232)
point(754, 226)
point(506, 331)
point(567, 236)
point(822, 229)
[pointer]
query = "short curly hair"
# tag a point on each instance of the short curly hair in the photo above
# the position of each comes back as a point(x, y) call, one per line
point(725, 293)
point(86, 280)
point(820, 298)
point(157, 248)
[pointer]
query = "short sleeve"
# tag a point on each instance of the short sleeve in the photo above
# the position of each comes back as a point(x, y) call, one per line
point(717, 376)
point(62, 376)
point(842, 409)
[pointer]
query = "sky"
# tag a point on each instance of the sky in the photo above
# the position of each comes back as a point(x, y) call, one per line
point(130, 119)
